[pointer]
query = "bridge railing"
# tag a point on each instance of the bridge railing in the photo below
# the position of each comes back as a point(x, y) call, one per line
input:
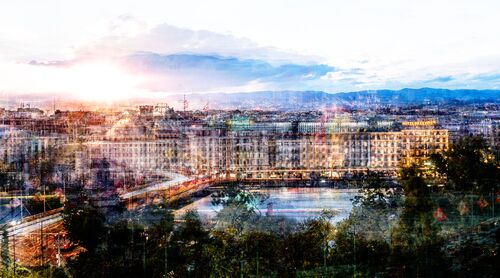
point(41, 215)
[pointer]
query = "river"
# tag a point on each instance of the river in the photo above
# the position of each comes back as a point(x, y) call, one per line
point(298, 203)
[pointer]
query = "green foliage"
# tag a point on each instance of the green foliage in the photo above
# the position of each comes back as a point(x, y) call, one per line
point(307, 247)
point(51, 272)
point(417, 231)
point(469, 165)
point(223, 251)
point(240, 206)
point(16, 271)
point(85, 225)
point(189, 240)
point(122, 248)
point(237, 195)
point(5, 248)
point(377, 192)
point(475, 252)
point(260, 251)
point(413, 182)
point(256, 253)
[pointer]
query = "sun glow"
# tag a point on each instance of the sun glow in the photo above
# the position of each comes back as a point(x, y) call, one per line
point(102, 81)
point(88, 81)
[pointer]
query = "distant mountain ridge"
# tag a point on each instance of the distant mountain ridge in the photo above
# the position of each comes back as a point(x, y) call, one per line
point(280, 100)
point(427, 94)
point(313, 99)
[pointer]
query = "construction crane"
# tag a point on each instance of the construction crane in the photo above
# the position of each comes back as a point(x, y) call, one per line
point(185, 103)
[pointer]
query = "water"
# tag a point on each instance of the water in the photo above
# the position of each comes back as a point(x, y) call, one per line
point(298, 203)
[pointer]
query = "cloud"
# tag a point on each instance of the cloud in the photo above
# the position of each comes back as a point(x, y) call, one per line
point(167, 39)
point(203, 73)
point(488, 77)
point(172, 59)
point(441, 79)
point(56, 63)
point(245, 68)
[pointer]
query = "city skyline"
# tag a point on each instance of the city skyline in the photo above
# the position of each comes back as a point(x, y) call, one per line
point(231, 138)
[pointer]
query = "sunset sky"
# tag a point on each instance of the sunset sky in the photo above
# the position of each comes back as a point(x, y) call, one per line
point(105, 50)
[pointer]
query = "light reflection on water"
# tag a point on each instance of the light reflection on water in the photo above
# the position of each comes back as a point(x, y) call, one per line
point(298, 203)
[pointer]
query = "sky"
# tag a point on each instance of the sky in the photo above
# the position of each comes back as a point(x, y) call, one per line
point(105, 50)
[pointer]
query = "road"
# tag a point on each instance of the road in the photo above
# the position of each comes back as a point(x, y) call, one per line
point(176, 179)
point(34, 225)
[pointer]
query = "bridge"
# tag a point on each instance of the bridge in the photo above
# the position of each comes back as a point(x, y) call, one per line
point(34, 223)
point(177, 179)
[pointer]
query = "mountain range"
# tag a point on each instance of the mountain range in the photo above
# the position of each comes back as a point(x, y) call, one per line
point(279, 100)
point(298, 100)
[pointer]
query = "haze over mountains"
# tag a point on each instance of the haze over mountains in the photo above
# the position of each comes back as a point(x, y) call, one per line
point(316, 99)
point(278, 100)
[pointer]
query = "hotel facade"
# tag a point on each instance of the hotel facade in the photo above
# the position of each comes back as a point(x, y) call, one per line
point(244, 149)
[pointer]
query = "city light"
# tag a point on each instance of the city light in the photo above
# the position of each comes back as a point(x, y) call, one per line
point(249, 138)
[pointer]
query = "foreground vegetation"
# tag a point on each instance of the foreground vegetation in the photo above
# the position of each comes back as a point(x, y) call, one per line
point(442, 221)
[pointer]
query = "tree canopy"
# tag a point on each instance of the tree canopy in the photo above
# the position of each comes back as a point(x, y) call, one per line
point(469, 165)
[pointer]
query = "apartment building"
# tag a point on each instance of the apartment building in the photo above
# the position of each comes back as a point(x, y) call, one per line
point(242, 149)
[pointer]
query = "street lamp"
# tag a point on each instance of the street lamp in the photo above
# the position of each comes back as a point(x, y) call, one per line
point(145, 235)
point(166, 252)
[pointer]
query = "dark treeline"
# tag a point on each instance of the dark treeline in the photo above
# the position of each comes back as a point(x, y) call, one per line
point(441, 222)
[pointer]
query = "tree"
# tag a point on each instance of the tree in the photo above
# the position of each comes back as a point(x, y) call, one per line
point(223, 253)
point(377, 193)
point(357, 252)
point(160, 245)
point(236, 194)
point(85, 225)
point(240, 206)
point(187, 251)
point(5, 249)
point(416, 243)
point(474, 252)
point(307, 248)
point(469, 165)
point(133, 247)
point(260, 252)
